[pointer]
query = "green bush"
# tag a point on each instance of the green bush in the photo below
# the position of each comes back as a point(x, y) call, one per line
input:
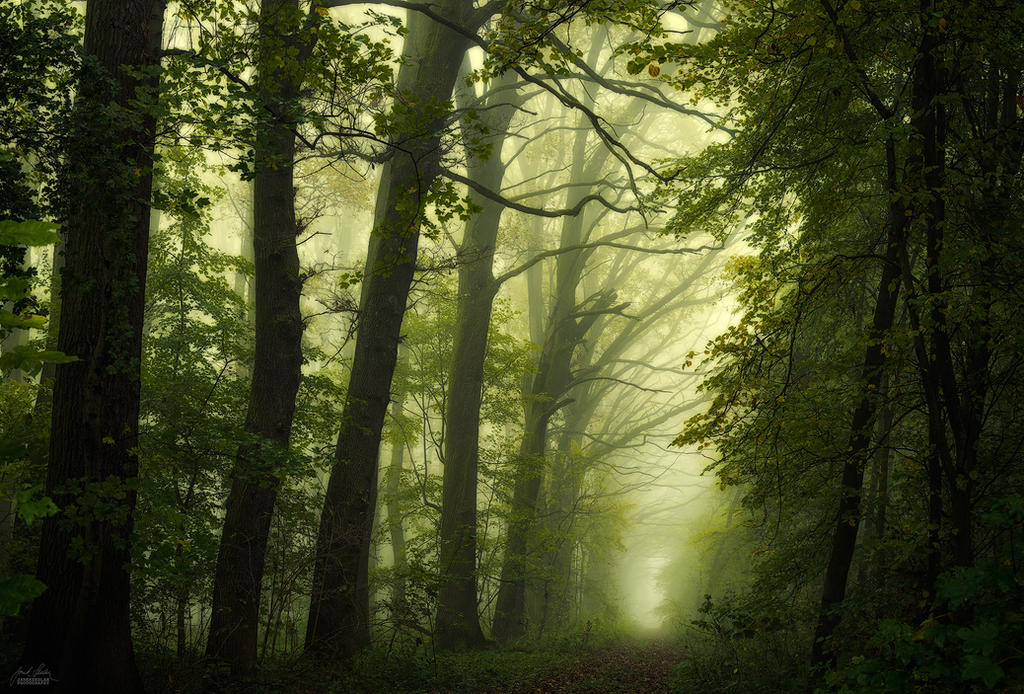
point(742, 645)
point(972, 643)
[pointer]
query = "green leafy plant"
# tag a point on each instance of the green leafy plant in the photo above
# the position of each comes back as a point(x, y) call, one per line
point(971, 642)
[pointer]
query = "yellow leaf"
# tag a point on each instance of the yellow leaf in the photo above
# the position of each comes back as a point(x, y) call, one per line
point(322, 11)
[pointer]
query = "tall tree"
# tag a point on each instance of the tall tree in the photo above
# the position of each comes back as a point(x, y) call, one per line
point(80, 627)
point(277, 359)
point(566, 326)
point(824, 110)
point(858, 451)
point(338, 623)
point(458, 622)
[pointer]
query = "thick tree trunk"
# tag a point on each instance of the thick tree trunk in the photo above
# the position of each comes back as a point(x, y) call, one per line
point(277, 362)
point(338, 623)
point(80, 626)
point(458, 624)
point(844, 539)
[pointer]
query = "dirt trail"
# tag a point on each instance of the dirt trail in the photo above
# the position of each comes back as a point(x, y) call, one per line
point(631, 667)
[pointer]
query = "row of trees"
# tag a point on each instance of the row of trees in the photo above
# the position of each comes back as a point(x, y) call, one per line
point(274, 88)
point(866, 400)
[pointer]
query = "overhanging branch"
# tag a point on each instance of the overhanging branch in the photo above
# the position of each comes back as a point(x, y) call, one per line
point(538, 211)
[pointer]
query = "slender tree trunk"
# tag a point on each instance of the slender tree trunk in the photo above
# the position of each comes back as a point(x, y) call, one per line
point(844, 539)
point(80, 625)
point(718, 563)
point(458, 624)
point(395, 528)
point(879, 482)
point(547, 387)
point(510, 606)
point(564, 486)
point(234, 622)
point(928, 120)
point(180, 607)
point(338, 623)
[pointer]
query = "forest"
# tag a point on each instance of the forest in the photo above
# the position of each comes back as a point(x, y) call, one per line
point(511, 346)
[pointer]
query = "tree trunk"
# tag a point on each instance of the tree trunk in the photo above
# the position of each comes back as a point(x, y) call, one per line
point(180, 608)
point(277, 361)
point(458, 624)
point(844, 539)
point(395, 529)
point(545, 398)
point(547, 387)
point(338, 623)
point(510, 605)
point(80, 626)
point(564, 490)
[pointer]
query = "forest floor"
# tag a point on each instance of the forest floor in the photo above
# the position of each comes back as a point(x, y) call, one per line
point(640, 666)
point(633, 665)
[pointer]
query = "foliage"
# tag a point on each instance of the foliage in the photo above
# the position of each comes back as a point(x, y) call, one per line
point(196, 342)
point(197, 352)
point(836, 145)
point(741, 643)
point(20, 436)
point(971, 647)
point(344, 76)
point(39, 44)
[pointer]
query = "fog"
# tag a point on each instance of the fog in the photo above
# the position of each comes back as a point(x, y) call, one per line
point(642, 506)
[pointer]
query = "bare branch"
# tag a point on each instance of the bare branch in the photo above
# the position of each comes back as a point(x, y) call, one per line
point(539, 211)
point(595, 244)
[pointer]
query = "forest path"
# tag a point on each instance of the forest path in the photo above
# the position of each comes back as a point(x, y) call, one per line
point(633, 666)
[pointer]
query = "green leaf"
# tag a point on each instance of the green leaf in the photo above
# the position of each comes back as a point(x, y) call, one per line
point(31, 508)
point(13, 288)
point(978, 667)
point(31, 360)
point(16, 590)
point(9, 320)
point(30, 233)
point(981, 638)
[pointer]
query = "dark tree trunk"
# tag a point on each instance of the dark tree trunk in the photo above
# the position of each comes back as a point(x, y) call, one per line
point(80, 626)
point(234, 622)
point(180, 610)
point(338, 623)
point(844, 539)
point(458, 623)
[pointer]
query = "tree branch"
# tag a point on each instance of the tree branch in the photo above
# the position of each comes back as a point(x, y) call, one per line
point(538, 211)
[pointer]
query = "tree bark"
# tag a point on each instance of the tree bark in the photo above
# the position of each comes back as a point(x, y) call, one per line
point(546, 396)
point(79, 628)
point(277, 361)
point(338, 624)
